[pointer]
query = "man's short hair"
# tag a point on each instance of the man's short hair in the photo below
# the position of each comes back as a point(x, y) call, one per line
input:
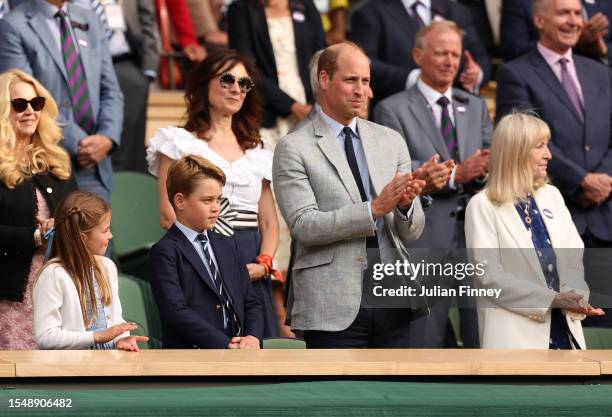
point(439, 26)
point(313, 72)
point(184, 174)
point(328, 61)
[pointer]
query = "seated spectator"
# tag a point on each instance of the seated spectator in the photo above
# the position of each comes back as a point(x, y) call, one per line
point(281, 36)
point(386, 30)
point(519, 35)
point(333, 17)
point(448, 133)
point(35, 175)
point(513, 232)
point(573, 95)
point(222, 121)
point(76, 295)
point(202, 287)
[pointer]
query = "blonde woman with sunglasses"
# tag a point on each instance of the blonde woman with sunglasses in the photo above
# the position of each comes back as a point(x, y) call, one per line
point(223, 116)
point(35, 175)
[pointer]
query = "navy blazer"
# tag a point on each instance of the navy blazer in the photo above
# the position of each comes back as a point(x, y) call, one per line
point(248, 34)
point(28, 45)
point(188, 302)
point(386, 32)
point(518, 34)
point(529, 83)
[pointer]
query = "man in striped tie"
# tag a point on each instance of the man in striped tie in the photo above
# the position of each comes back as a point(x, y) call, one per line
point(65, 47)
point(448, 132)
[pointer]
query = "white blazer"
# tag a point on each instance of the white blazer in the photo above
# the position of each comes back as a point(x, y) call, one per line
point(521, 317)
point(58, 321)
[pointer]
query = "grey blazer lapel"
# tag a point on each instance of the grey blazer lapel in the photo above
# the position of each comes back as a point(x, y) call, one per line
point(369, 141)
point(419, 107)
point(38, 25)
point(462, 124)
point(335, 154)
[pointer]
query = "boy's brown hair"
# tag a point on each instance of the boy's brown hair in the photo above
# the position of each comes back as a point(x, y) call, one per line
point(185, 173)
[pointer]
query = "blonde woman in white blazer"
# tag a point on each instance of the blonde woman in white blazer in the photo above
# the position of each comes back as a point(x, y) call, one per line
point(543, 295)
point(76, 296)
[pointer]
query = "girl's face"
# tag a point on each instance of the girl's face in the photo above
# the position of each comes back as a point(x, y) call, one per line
point(96, 240)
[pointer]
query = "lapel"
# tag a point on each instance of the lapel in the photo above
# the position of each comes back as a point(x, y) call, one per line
point(260, 26)
point(550, 79)
point(516, 228)
point(589, 94)
point(38, 25)
point(461, 122)
point(371, 148)
point(220, 248)
point(330, 146)
point(407, 26)
point(424, 117)
point(192, 256)
point(87, 60)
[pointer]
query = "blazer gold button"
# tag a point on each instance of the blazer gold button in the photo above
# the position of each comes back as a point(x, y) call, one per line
point(587, 147)
point(360, 258)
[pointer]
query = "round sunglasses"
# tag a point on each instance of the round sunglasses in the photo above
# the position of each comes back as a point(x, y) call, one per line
point(21, 104)
point(228, 79)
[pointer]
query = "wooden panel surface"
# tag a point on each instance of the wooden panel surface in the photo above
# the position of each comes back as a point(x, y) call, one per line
point(397, 362)
point(604, 357)
point(7, 369)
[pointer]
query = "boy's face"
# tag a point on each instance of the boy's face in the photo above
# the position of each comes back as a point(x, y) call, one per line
point(200, 209)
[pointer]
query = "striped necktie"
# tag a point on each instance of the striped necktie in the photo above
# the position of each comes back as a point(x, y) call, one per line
point(228, 308)
point(77, 83)
point(447, 128)
point(99, 9)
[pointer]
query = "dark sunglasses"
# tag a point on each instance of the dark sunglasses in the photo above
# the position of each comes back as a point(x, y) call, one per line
point(21, 104)
point(228, 79)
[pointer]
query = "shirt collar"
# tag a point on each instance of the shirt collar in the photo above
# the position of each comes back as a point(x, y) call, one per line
point(50, 10)
point(431, 95)
point(408, 3)
point(189, 233)
point(336, 127)
point(552, 58)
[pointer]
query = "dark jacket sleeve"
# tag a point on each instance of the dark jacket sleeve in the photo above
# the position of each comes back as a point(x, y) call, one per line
point(515, 31)
point(173, 307)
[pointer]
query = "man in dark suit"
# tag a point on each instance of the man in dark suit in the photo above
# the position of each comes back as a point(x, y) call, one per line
point(519, 35)
point(573, 95)
point(385, 29)
point(69, 55)
point(441, 124)
point(203, 292)
point(131, 27)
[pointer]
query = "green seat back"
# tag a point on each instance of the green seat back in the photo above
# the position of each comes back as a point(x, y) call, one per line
point(283, 343)
point(138, 306)
point(135, 221)
point(598, 337)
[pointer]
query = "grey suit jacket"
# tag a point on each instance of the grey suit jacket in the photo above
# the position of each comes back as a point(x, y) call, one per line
point(320, 201)
point(142, 33)
point(27, 44)
point(407, 113)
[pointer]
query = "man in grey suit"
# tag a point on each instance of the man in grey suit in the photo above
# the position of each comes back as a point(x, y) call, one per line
point(41, 38)
point(133, 42)
point(344, 186)
point(448, 132)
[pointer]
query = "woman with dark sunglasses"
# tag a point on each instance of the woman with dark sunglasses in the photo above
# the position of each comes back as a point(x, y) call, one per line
point(223, 115)
point(35, 175)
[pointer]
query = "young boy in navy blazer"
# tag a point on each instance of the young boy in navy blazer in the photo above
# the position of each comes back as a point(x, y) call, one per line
point(202, 290)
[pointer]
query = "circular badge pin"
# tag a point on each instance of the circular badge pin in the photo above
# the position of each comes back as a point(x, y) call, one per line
point(548, 213)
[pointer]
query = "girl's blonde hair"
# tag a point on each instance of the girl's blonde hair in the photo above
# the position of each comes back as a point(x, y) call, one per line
point(76, 216)
point(43, 154)
point(510, 173)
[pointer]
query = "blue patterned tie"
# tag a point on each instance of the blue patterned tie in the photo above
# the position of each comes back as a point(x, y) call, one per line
point(77, 83)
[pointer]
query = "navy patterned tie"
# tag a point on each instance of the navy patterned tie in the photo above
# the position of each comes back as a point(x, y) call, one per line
point(77, 83)
point(415, 15)
point(232, 319)
point(447, 128)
